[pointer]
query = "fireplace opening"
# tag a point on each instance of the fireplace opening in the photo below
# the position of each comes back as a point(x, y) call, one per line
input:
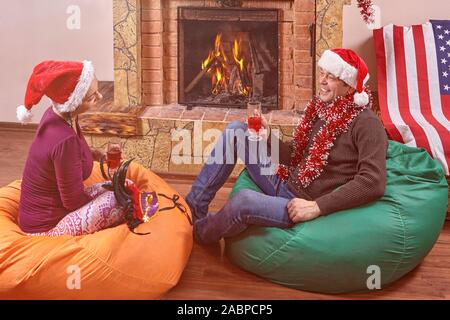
point(227, 57)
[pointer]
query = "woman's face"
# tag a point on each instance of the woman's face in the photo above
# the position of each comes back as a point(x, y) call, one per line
point(92, 97)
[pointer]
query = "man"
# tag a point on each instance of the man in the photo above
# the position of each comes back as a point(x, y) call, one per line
point(336, 160)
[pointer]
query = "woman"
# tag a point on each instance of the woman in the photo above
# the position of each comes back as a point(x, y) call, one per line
point(53, 200)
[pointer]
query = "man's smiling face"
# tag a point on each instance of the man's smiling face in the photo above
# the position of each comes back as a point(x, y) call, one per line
point(331, 87)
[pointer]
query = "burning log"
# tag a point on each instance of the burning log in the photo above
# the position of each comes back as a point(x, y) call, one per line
point(202, 73)
point(228, 76)
point(196, 80)
point(242, 69)
point(235, 84)
point(216, 60)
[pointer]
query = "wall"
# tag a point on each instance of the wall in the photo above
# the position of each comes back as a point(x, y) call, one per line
point(36, 30)
point(357, 36)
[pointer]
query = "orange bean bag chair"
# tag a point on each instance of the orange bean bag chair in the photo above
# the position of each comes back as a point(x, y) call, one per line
point(110, 264)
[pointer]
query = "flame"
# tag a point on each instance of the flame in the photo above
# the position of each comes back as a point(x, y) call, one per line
point(217, 42)
point(217, 52)
point(218, 75)
point(219, 67)
point(207, 61)
point(219, 82)
point(240, 62)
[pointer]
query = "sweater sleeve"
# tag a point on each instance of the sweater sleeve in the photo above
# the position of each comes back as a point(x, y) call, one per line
point(69, 174)
point(369, 182)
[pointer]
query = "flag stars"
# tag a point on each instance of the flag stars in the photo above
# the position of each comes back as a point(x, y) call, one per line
point(444, 61)
point(446, 31)
point(445, 74)
point(442, 48)
point(448, 42)
point(441, 37)
point(446, 88)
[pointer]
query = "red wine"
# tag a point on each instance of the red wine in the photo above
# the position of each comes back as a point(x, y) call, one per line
point(254, 123)
point(113, 157)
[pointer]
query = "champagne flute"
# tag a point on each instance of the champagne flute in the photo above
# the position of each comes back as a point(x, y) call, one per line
point(254, 120)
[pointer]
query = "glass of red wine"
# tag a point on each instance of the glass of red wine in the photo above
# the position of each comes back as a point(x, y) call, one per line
point(113, 154)
point(254, 120)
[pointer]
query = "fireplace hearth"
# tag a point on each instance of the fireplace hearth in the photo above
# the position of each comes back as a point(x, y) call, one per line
point(227, 57)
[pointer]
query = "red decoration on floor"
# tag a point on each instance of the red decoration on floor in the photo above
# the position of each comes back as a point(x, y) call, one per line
point(366, 10)
point(337, 116)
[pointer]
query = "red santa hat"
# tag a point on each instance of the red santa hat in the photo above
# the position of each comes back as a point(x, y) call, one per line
point(64, 82)
point(350, 68)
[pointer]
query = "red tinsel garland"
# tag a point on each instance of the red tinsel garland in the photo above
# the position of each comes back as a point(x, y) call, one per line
point(366, 10)
point(337, 117)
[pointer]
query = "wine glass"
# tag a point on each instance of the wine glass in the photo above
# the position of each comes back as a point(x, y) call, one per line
point(113, 154)
point(254, 120)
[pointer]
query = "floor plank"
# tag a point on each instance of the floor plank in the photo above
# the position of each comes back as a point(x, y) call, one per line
point(209, 275)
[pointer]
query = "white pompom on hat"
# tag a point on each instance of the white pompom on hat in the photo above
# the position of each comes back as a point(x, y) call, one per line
point(350, 68)
point(64, 82)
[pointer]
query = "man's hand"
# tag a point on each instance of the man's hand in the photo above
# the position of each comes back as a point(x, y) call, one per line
point(265, 129)
point(301, 210)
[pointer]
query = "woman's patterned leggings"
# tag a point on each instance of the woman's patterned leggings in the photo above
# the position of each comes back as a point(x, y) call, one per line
point(101, 213)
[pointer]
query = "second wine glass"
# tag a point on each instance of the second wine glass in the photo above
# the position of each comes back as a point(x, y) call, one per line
point(254, 120)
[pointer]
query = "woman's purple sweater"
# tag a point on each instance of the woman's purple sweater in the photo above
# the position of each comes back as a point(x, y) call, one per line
point(52, 183)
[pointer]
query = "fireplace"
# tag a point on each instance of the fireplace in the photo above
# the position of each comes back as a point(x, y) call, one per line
point(227, 57)
point(147, 47)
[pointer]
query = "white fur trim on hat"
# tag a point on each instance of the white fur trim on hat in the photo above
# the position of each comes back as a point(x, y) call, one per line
point(338, 67)
point(23, 114)
point(82, 87)
point(361, 99)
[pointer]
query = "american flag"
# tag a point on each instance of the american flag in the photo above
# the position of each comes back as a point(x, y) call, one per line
point(414, 85)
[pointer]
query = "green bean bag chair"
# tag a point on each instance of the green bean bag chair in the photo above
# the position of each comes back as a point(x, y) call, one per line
point(334, 253)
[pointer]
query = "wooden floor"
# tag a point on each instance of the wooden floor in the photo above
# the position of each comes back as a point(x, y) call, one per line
point(209, 275)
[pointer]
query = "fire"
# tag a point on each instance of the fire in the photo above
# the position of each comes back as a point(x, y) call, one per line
point(218, 49)
point(230, 76)
point(218, 75)
point(218, 82)
point(240, 62)
point(206, 62)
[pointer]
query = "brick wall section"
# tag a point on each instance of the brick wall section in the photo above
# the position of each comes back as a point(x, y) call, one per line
point(152, 52)
point(159, 49)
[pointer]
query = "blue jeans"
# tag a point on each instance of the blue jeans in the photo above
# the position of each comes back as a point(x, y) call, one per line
point(246, 207)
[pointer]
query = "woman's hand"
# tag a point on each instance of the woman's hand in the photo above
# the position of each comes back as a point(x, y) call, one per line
point(301, 210)
point(97, 153)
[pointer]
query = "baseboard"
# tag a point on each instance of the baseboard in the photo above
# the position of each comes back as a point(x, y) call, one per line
point(16, 126)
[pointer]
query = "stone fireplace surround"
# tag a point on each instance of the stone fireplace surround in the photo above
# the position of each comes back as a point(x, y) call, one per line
point(145, 59)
